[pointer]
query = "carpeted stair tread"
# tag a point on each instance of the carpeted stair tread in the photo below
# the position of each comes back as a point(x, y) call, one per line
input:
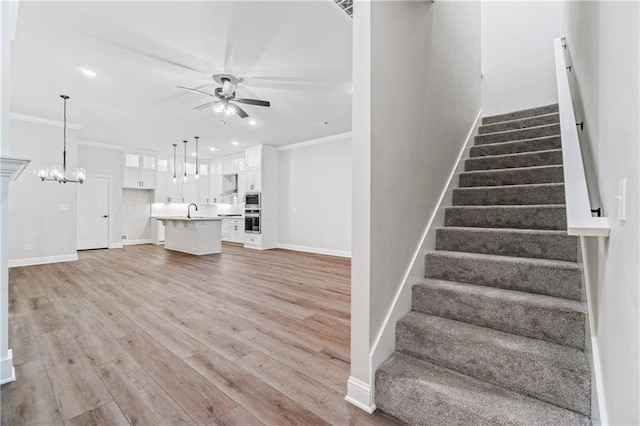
point(497, 331)
point(527, 145)
point(516, 176)
point(421, 393)
point(521, 123)
point(540, 276)
point(552, 373)
point(551, 157)
point(546, 216)
point(531, 243)
point(515, 135)
point(523, 113)
point(528, 194)
point(551, 319)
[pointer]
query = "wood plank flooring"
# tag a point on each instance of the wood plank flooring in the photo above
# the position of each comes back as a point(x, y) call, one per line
point(146, 336)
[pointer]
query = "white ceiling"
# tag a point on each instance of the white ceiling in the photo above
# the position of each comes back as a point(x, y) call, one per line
point(297, 55)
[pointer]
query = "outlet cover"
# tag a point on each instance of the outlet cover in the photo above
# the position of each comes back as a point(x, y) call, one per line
point(124, 236)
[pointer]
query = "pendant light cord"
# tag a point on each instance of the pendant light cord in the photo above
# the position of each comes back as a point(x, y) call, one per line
point(64, 138)
point(197, 137)
point(185, 158)
point(174, 159)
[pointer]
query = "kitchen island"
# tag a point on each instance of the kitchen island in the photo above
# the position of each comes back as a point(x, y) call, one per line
point(195, 235)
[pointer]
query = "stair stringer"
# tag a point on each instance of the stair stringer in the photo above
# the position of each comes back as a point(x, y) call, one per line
point(385, 340)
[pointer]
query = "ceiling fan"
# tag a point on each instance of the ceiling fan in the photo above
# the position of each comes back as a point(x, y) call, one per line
point(225, 97)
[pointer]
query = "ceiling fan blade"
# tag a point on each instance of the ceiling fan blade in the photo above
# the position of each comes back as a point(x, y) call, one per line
point(239, 111)
point(208, 104)
point(194, 90)
point(256, 102)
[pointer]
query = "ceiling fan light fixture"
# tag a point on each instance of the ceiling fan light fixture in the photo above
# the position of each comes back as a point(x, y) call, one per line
point(219, 107)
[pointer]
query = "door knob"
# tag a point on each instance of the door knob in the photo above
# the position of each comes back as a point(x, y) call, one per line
point(105, 215)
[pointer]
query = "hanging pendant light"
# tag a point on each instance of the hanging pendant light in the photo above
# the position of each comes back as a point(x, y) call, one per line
point(55, 172)
point(197, 171)
point(174, 161)
point(185, 160)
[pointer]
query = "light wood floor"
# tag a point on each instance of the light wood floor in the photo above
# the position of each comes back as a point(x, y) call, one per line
point(146, 336)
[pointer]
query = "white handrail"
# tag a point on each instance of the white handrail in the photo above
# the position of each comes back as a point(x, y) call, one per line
point(579, 219)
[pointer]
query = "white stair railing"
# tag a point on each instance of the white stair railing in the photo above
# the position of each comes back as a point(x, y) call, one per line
point(580, 221)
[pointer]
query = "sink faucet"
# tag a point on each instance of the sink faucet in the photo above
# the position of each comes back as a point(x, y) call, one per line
point(189, 209)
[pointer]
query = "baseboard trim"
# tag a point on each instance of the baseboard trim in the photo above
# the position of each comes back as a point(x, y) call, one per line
point(116, 245)
point(359, 394)
point(597, 371)
point(135, 242)
point(42, 260)
point(7, 370)
point(316, 250)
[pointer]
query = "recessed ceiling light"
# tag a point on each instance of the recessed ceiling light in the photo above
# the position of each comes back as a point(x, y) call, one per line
point(193, 154)
point(351, 88)
point(321, 123)
point(89, 73)
point(252, 122)
point(213, 149)
point(234, 143)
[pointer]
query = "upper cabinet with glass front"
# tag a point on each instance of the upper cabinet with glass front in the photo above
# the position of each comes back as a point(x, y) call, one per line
point(139, 170)
point(253, 157)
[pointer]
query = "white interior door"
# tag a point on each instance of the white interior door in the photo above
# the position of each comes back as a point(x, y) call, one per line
point(93, 213)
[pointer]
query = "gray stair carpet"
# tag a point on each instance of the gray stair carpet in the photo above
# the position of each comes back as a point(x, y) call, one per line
point(496, 334)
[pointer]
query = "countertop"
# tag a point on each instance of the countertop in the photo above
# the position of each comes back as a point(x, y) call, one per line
point(186, 219)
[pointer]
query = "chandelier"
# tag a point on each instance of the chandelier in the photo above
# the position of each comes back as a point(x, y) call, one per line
point(59, 173)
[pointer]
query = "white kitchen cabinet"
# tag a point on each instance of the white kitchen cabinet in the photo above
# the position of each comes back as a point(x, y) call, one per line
point(175, 190)
point(203, 185)
point(161, 194)
point(190, 185)
point(139, 170)
point(225, 229)
point(261, 175)
point(232, 164)
point(189, 190)
point(253, 179)
point(236, 230)
point(163, 180)
point(253, 157)
point(215, 188)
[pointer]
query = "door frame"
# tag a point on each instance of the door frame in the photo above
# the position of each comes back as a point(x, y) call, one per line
point(109, 204)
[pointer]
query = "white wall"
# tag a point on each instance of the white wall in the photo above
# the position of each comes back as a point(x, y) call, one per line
point(603, 39)
point(517, 54)
point(107, 162)
point(315, 197)
point(136, 212)
point(38, 213)
point(423, 79)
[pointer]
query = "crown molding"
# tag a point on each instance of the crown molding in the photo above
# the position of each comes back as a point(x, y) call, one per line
point(12, 166)
point(103, 144)
point(45, 121)
point(310, 142)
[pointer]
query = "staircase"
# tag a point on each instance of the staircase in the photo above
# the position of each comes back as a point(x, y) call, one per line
point(496, 334)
